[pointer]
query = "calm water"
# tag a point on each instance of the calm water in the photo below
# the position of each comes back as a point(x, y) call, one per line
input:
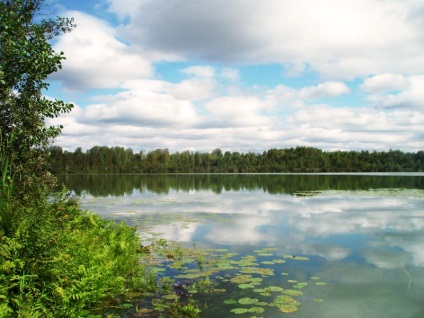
point(363, 235)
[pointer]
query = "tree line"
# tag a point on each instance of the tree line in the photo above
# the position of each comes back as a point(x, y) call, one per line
point(102, 159)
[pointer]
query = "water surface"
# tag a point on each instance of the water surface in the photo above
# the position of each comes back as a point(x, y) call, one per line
point(362, 235)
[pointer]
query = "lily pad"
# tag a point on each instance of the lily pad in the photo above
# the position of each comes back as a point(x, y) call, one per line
point(256, 280)
point(301, 285)
point(248, 301)
point(285, 299)
point(292, 292)
point(256, 310)
point(239, 311)
point(288, 308)
point(258, 270)
point(260, 290)
point(241, 279)
point(246, 286)
point(275, 289)
point(230, 301)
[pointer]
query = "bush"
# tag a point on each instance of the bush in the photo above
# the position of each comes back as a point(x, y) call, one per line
point(61, 260)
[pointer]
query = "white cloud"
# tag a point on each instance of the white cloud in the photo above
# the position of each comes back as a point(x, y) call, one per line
point(237, 111)
point(385, 83)
point(200, 71)
point(338, 39)
point(95, 58)
point(410, 98)
point(323, 90)
point(142, 108)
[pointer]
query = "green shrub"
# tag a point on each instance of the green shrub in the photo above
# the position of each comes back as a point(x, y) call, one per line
point(60, 260)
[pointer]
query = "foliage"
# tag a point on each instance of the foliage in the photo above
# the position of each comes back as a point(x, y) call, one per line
point(300, 159)
point(26, 59)
point(61, 260)
point(55, 259)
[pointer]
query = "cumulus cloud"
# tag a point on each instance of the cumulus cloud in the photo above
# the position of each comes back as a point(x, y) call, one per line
point(323, 90)
point(237, 111)
point(152, 114)
point(410, 98)
point(337, 39)
point(95, 58)
point(141, 108)
point(218, 103)
point(385, 83)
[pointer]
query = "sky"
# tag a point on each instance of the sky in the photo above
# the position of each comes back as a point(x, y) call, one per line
point(242, 75)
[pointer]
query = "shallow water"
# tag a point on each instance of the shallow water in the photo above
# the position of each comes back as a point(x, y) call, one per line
point(362, 236)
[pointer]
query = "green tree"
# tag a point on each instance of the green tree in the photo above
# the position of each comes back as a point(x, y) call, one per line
point(26, 60)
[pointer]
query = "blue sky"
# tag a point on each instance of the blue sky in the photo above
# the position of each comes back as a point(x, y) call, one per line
point(242, 75)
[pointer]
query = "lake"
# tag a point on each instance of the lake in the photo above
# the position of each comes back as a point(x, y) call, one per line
point(314, 245)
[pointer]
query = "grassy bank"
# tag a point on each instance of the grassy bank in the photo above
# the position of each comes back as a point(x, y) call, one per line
point(56, 260)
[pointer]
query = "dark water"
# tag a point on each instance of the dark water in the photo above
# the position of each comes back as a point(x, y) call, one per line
point(363, 235)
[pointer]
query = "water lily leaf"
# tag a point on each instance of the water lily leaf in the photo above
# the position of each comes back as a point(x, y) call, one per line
point(318, 300)
point(248, 301)
point(275, 288)
point(219, 250)
point(246, 286)
point(258, 270)
point(239, 311)
point(320, 283)
point(256, 310)
point(256, 280)
point(288, 308)
point(267, 263)
point(283, 299)
point(260, 290)
point(230, 301)
point(228, 255)
point(300, 285)
point(241, 279)
point(292, 292)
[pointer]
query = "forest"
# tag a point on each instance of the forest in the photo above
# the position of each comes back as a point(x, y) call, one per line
point(102, 159)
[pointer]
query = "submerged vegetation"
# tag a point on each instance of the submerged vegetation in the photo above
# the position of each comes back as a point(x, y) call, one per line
point(300, 159)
